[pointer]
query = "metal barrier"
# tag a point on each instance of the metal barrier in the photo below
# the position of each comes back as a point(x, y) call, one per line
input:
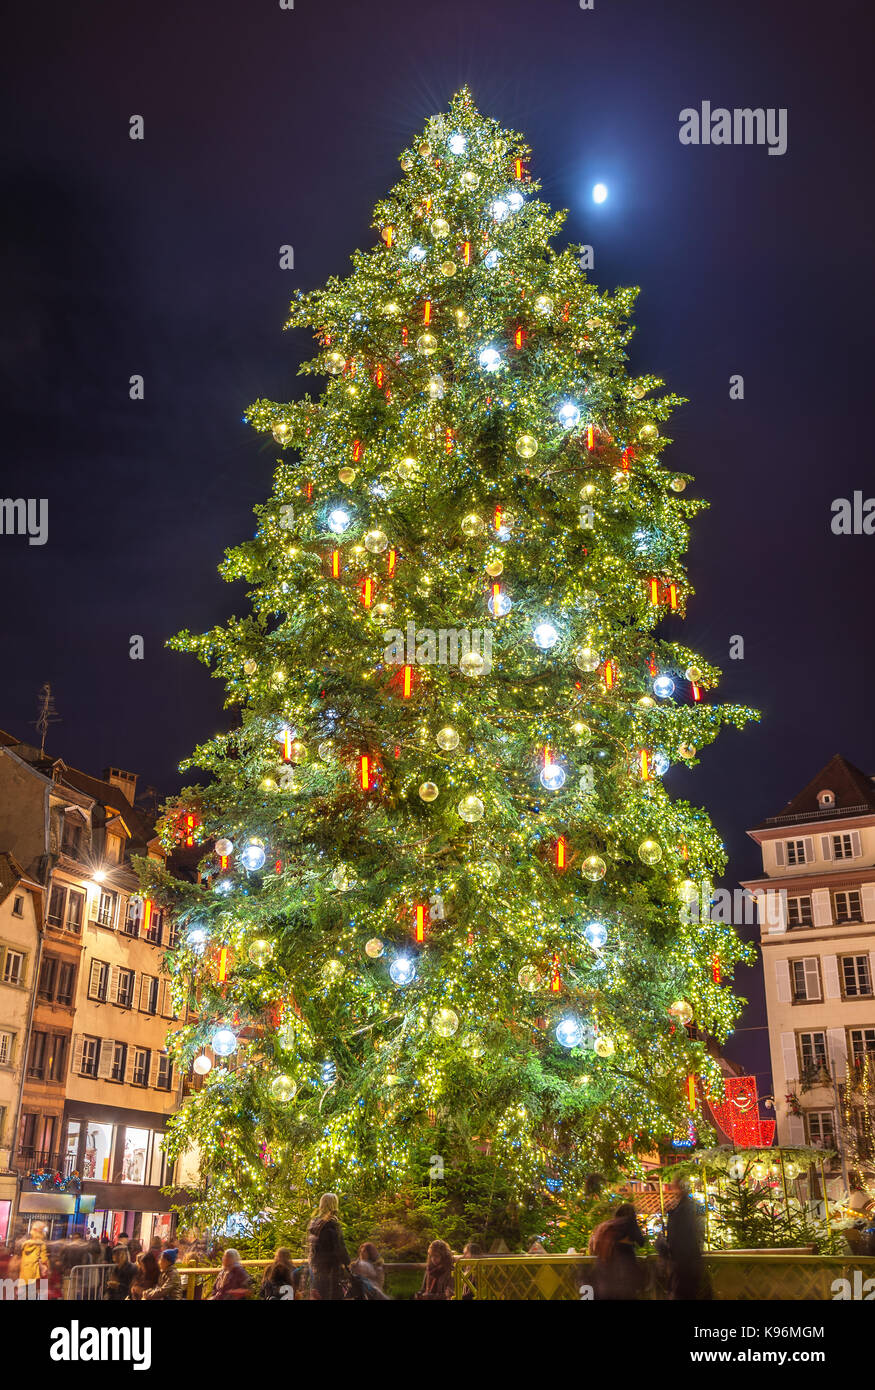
point(736, 1276)
point(87, 1281)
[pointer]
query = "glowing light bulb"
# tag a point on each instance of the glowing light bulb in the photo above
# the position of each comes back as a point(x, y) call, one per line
point(599, 193)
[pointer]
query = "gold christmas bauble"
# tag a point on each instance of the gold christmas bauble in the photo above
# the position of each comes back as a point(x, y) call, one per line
point(470, 179)
point(447, 738)
point(648, 433)
point(526, 446)
point(335, 363)
point(426, 344)
point(440, 228)
point(425, 149)
point(678, 484)
point(448, 269)
point(346, 475)
point(406, 163)
point(650, 852)
point(544, 304)
point(462, 318)
point(473, 525)
point(428, 791)
point(594, 868)
point(495, 568)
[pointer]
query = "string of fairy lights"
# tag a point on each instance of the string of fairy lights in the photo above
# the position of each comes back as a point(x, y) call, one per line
point(447, 885)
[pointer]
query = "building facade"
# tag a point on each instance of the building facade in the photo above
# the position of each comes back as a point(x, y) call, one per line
point(21, 921)
point(96, 1083)
point(818, 947)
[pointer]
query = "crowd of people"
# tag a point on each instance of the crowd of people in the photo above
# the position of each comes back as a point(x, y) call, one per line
point(134, 1274)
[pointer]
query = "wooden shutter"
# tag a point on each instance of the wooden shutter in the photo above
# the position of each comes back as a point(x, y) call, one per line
point(142, 999)
point(166, 999)
point(826, 846)
point(782, 981)
point(872, 970)
point(780, 854)
point(104, 1061)
point(78, 1052)
point(837, 1044)
point(812, 978)
point(776, 910)
point(791, 1061)
point(796, 1130)
point(114, 982)
point(94, 979)
point(129, 1064)
point(821, 907)
point(153, 1066)
point(856, 846)
point(832, 988)
point(810, 855)
point(867, 901)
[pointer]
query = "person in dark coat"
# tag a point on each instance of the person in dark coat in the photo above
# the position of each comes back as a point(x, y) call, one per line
point(121, 1276)
point(234, 1282)
point(147, 1274)
point(326, 1251)
point(279, 1277)
point(617, 1273)
point(437, 1282)
point(684, 1238)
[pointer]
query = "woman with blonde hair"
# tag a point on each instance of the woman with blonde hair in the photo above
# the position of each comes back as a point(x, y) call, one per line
point(326, 1250)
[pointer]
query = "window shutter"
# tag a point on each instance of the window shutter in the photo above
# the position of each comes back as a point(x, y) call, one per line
point(831, 984)
point(826, 846)
point(782, 981)
point(838, 1052)
point(867, 900)
point(856, 846)
point(142, 999)
point(810, 856)
point(821, 907)
point(872, 971)
point(94, 979)
point(78, 1051)
point(776, 911)
point(153, 1067)
point(166, 999)
point(796, 1130)
point(791, 1063)
point(812, 978)
point(780, 854)
point(104, 1064)
point(114, 982)
point(129, 1065)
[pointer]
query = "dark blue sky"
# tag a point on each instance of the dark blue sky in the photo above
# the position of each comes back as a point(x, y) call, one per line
point(266, 127)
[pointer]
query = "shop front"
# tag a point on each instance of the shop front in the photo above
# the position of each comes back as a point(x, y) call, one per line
point(62, 1213)
point(119, 1157)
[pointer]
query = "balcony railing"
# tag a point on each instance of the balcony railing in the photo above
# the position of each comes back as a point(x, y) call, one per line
point(30, 1160)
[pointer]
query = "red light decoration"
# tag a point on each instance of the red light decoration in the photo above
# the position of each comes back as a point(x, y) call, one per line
point(626, 458)
point(566, 309)
point(190, 823)
point(426, 311)
point(367, 592)
point(715, 970)
point(691, 1093)
point(590, 437)
point(651, 665)
point(357, 450)
point(561, 853)
point(519, 338)
point(696, 692)
point(466, 253)
point(654, 592)
point(555, 977)
point(388, 235)
point(738, 1114)
point(365, 772)
point(308, 491)
point(147, 914)
point(449, 440)
point(644, 762)
point(404, 336)
point(278, 866)
point(335, 564)
point(223, 862)
point(518, 168)
point(673, 597)
point(379, 376)
point(222, 972)
point(287, 745)
point(609, 674)
point(392, 561)
point(407, 681)
point(419, 932)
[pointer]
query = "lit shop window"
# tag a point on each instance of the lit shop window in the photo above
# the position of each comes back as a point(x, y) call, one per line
point(98, 1151)
point(135, 1155)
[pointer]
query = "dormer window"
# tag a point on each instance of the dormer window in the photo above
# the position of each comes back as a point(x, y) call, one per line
point(825, 799)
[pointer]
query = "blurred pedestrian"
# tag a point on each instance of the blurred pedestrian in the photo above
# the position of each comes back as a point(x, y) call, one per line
point(146, 1277)
point(278, 1277)
point(121, 1276)
point(617, 1273)
point(437, 1282)
point(369, 1269)
point(169, 1286)
point(327, 1252)
point(234, 1282)
point(682, 1245)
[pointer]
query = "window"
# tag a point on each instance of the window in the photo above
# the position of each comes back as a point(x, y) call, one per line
point(36, 1065)
point(98, 1149)
point(98, 980)
point(153, 926)
point(66, 982)
point(135, 1154)
point(799, 912)
point(90, 1056)
point(71, 1146)
point(71, 842)
point(57, 1063)
point(821, 1128)
point(7, 1041)
point(18, 906)
point(13, 968)
point(847, 906)
point(164, 1080)
point(119, 1061)
point(825, 798)
point(172, 935)
point(113, 849)
point(106, 909)
point(142, 1057)
point(795, 852)
point(842, 847)
point(856, 976)
point(56, 980)
point(132, 917)
point(149, 994)
point(806, 978)
point(812, 1050)
point(862, 1045)
point(48, 971)
point(75, 910)
point(126, 980)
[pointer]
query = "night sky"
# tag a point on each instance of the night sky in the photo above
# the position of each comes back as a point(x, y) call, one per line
point(265, 127)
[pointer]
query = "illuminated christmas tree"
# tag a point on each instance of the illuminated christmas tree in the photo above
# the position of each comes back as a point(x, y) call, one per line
point(445, 908)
